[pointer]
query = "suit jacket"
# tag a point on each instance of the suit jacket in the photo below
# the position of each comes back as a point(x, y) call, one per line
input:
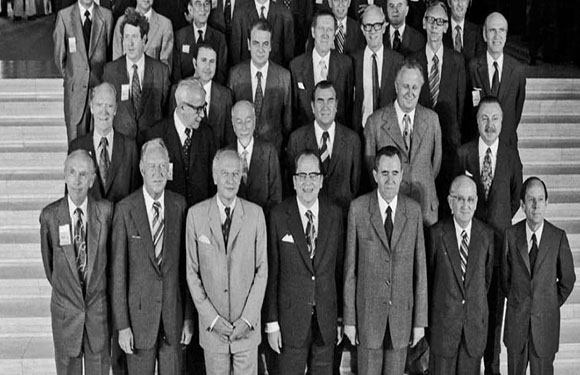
point(512, 92)
point(186, 49)
point(412, 41)
point(458, 308)
point(353, 41)
point(275, 122)
point(216, 17)
point(264, 183)
point(421, 167)
point(118, 7)
point(123, 176)
point(282, 41)
point(76, 316)
point(81, 71)
point(339, 73)
point(387, 94)
point(385, 282)
point(154, 93)
point(302, 12)
point(142, 292)
point(241, 269)
point(295, 281)
point(197, 185)
point(473, 43)
point(159, 39)
point(174, 10)
point(341, 181)
point(534, 297)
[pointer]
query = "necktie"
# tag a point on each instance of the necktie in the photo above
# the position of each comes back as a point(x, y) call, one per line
point(262, 10)
point(486, 175)
point(533, 252)
point(87, 30)
point(463, 252)
point(104, 161)
point(339, 40)
point(495, 80)
point(136, 91)
point(324, 152)
point(158, 228)
point(323, 70)
point(199, 37)
point(397, 41)
point(186, 148)
point(434, 79)
point(389, 224)
point(287, 4)
point(259, 96)
point(310, 234)
point(228, 18)
point(376, 86)
point(407, 133)
point(80, 245)
point(245, 168)
point(457, 45)
point(226, 226)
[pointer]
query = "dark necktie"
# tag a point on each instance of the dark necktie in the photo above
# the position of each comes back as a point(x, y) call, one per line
point(158, 228)
point(397, 41)
point(486, 175)
point(245, 168)
point(457, 45)
point(87, 30)
point(136, 91)
point(80, 245)
point(339, 39)
point(287, 4)
point(199, 37)
point(407, 133)
point(376, 86)
point(310, 234)
point(434, 80)
point(262, 10)
point(533, 252)
point(325, 152)
point(495, 80)
point(104, 161)
point(228, 18)
point(226, 226)
point(259, 96)
point(389, 224)
point(463, 253)
point(186, 148)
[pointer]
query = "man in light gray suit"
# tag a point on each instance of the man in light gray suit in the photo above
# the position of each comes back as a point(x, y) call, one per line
point(414, 130)
point(227, 271)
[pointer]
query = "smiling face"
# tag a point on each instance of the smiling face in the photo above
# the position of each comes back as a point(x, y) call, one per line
point(133, 43)
point(324, 107)
point(154, 167)
point(103, 107)
point(307, 190)
point(227, 174)
point(259, 46)
point(489, 121)
point(462, 200)
point(397, 12)
point(339, 8)
point(323, 34)
point(535, 204)
point(408, 86)
point(205, 64)
point(143, 6)
point(244, 122)
point(374, 38)
point(388, 176)
point(495, 33)
point(79, 175)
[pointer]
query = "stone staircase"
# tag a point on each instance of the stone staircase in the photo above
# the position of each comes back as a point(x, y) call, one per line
point(32, 151)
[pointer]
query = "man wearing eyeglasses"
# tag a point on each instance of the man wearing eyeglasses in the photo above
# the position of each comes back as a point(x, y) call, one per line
point(497, 171)
point(401, 37)
point(190, 143)
point(305, 274)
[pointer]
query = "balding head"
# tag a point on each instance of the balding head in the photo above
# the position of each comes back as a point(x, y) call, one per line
point(190, 100)
point(244, 121)
point(495, 31)
point(462, 199)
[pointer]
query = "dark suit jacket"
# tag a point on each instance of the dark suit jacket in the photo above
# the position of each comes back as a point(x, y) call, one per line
point(534, 297)
point(339, 73)
point(412, 41)
point(198, 185)
point(185, 48)
point(385, 282)
point(353, 41)
point(76, 317)
point(458, 308)
point(264, 183)
point(302, 12)
point(296, 282)
point(174, 10)
point(387, 94)
point(512, 92)
point(143, 293)
point(281, 43)
point(154, 94)
point(341, 181)
point(473, 43)
point(123, 176)
point(216, 17)
point(275, 122)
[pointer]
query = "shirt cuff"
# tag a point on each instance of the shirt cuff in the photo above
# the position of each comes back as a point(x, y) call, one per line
point(248, 323)
point(213, 323)
point(272, 327)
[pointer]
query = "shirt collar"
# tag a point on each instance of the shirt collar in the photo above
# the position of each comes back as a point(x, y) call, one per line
point(196, 29)
point(179, 127)
point(490, 61)
point(383, 204)
point(369, 52)
point(72, 207)
point(461, 24)
point(149, 200)
point(83, 10)
point(429, 52)
point(343, 23)
point(140, 65)
point(222, 207)
point(254, 69)
point(249, 147)
point(482, 147)
point(401, 31)
point(316, 58)
point(318, 131)
point(459, 230)
point(148, 14)
point(97, 138)
point(538, 233)
point(266, 6)
point(401, 114)
point(302, 209)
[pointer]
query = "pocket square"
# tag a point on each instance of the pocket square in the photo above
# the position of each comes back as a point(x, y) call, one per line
point(288, 238)
point(300, 84)
point(204, 239)
point(136, 237)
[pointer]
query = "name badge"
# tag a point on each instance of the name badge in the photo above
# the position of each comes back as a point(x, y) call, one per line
point(125, 92)
point(72, 44)
point(318, 1)
point(170, 172)
point(476, 94)
point(64, 235)
point(185, 48)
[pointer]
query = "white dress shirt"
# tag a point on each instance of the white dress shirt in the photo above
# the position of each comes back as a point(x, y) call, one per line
point(316, 58)
point(180, 128)
point(82, 11)
point(196, 31)
point(538, 233)
point(454, 32)
point(383, 204)
point(249, 148)
point(253, 71)
point(207, 88)
point(71, 211)
point(401, 114)
point(392, 33)
point(259, 6)
point(459, 231)
point(429, 53)
point(222, 208)
point(491, 69)
point(97, 143)
point(318, 132)
point(482, 150)
point(367, 107)
point(140, 70)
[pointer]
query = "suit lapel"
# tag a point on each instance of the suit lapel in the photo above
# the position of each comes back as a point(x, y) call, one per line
point(391, 127)
point(419, 130)
point(323, 227)
point(501, 169)
point(93, 236)
point(425, 96)
point(147, 84)
point(96, 30)
point(238, 218)
point(506, 74)
point(77, 31)
point(257, 163)
point(63, 216)
point(215, 224)
point(337, 147)
point(308, 72)
point(124, 79)
point(548, 237)
point(139, 215)
point(297, 231)
point(483, 74)
point(399, 221)
point(116, 157)
point(387, 66)
point(522, 245)
point(377, 221)
point(473, 257)
point(170, 229)
point(452, 250)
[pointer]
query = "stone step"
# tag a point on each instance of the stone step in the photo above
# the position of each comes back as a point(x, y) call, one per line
point(35, 307)
point(25, 327)
point(548, 130)
point(27, 356)
point(32, 120)
point(538, 142)
point(24, 288)
point(20, 251)
point(21, 86)
point(562, 168)
point(42, 108)
point(32, 165)
point(22, 190)
point(38, 138)
point(549, 155)
point(21, 269)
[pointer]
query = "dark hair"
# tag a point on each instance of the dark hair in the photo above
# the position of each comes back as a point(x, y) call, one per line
point(134, 18)
point(261, 25)
point(322, 85)
point(527, 183)
point(304, 153)
point(489, 99)
point(321, 13)
point(388, 151)
point(201, 45)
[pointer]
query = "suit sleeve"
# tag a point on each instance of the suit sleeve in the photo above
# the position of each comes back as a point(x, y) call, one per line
point(166, 54)
point(109, 26)
point(521, 96)
point(490, 258)
point(437, 150)
point(271, 305)
point(117, 41)
point(565, 270)
point(288, 37)
point(431, 251)
point(166, 84)
point(350, 270)
point(420, 317)
point(186, 294)
point(46, 246)
point(119, 270)
point(339, 268)
point(461, 89)
point(58, 36)
point(370, 143)
point(506, 264)
point(176, 63)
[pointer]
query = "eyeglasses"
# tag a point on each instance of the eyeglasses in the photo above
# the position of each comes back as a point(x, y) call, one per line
point(373, 26)
point(462, 199)
point(198, 110)
point(312, 176)
point(340, 2)
point(432, 20)
point(200, 5)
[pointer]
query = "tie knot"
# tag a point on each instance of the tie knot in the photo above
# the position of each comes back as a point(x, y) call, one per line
point(389, 210)
point(259, 74)
point(495, 65)
point(244, 154)
point(200, 33)
point(135, 68)
point(435, 60)
point(374, 56)
point(397, 35)
point(156, 206)
point(534, 239)
point(87, 15)
point(488, 152)
point(104, 142)
point(79, 213)
point(322, 64)
point(341, 27)
point(228, 211)
point(309, 215)
point(464, 236)
point(458, 28)
point(325, 136)
point(188, 132)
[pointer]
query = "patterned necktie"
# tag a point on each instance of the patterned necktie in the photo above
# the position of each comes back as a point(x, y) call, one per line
point(323, 70)
point(245, 168)
point(463, 253)
point(80, 245)
point(104, 161)
point(226, 226)
point(158, 228)
point(259, 96)
point(310, 234)
point(533, 252)
point(136, 91)
point(325, 152)
point(87, 30)
point(457, 45)
point(407, 133)
point(287, 4)
point(262, 10)
point(228, 18)
point(434, 79)
point(397, 41)
point(199, 37)
point(495, 80)
point(389, 224)
point(187, 147)
point(486, 175)
point(339, 39)
point(376, 87)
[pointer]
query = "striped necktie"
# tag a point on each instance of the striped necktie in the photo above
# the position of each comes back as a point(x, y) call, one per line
point(80, 246)
point(136, 91)
point(310, 233)
point(463, 253)
point(104, 161)
point(340, 38)
point(325, 152)
point(434, 79)
point(226, 226)
point(457, 45)
point(158, 228)
point(259, 96)
point(245, 168)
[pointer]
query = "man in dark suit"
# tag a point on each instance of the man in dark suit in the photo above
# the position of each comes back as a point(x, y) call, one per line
point(305, 277)
point(385, 286)
point(74, 241)
point(188, 38)
point(538, 276)
point(498, 176)
point(141, 82)
point(222, 12)
point(321, 64)
point(459, 268)
point(267, 85)
point(174, 10)
point(370, 95)
point(497, 74)
point(114, 154)
point(152, 308)
point(400, 36)
point(282, 34)
point(81, 44)
point(463, 36)
point(337, 146)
